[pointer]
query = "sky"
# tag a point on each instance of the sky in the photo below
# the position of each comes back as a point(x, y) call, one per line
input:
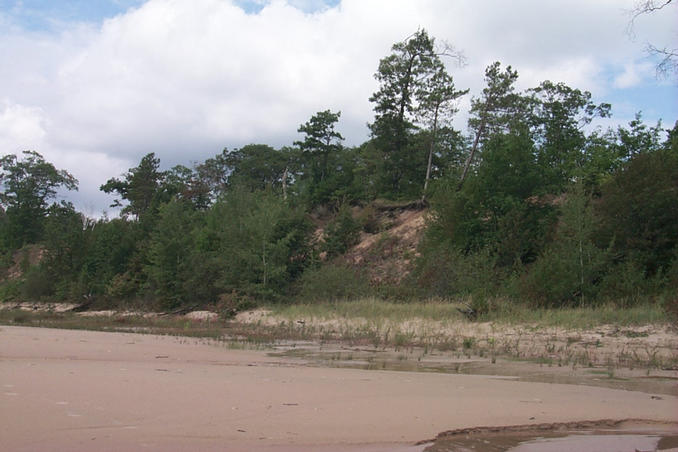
point(94, 85)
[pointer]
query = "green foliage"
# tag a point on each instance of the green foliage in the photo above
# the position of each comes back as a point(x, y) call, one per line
point(332, 282)
point(10, 290)
point(254, 243)
point(139, 186)
point(568, 271)
point(341, 233)
point(37, 284)
point(444, 271)
point(256, 167)
point(26, 186)
point(558, 116)
point(142, 187)
point(529, 205)
point(638, 139)
point(625, 283)
point(500, 109)
point(169, 254)
point(326, 172)
point(345, 180)
point(320, 142)
point(670, 302)
point(64, 249)
point(638, 211)
point(112, 258)
point(414, 88)
point(498, 209)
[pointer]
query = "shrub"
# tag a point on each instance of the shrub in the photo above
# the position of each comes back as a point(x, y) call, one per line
point(10, 291)
point(369, 220)
point(341, 233)
point(443, 271)
point(37, 284)
point(332, 282)
point(230, 304)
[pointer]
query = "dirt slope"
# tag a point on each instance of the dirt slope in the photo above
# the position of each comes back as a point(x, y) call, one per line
point(386, 256)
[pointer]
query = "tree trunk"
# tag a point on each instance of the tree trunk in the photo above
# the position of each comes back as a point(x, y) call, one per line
point(263, 258)
point(284, 184)
point(430, 153)
point(481, 129)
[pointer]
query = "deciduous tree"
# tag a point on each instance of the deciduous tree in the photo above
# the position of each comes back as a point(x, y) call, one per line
point(27, 185)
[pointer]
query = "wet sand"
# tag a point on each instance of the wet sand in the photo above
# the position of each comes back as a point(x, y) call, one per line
point(91, 391)
point(606, 435)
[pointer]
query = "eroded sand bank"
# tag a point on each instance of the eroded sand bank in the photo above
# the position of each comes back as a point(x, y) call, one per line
point(80, 390)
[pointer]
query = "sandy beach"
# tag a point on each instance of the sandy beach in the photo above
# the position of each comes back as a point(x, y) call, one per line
point(64, 390)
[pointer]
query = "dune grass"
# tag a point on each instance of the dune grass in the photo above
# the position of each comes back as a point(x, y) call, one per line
point(502, 312)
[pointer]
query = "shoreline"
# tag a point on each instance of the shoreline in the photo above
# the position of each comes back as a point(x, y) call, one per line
point(129, 391)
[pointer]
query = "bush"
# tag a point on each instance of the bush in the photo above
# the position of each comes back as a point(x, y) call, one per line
point(341, 233)
point(369, 220)
point(231, 303)
point(443, 271)
point(638, 213)
point(332, 282)
point(10, 291)
point(37, 284)
point(670, 306)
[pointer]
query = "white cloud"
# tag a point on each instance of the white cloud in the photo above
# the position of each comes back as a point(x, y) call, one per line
point(21, 124)
point(186, 78)
point(633, 75)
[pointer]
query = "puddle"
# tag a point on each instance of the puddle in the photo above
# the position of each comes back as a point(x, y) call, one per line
point(653, 381)
point(624, 436)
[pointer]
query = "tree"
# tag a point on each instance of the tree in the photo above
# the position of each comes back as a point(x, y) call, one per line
point(169, 254)
point(402, 77)
point(341, 233)
point(499, 110)
point(183, 183)
point(253, 244)
point(571, 265)
point(639, 211)
point(254, 167)
point(558, 115)
point(212, 175)
point(671, 143)
point(437, 105)
point(140, 187)
point(65, 248)
point(498, 210)
point(112, 264)
point(324, 169)
point(27, 187)
point(321, 140)
point(638, 138)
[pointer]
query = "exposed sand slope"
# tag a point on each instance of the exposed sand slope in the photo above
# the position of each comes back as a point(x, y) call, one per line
point(80, 390)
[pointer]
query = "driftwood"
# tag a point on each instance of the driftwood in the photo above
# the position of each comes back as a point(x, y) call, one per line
point(84, 306)
point(181, 311)
point(468, 312)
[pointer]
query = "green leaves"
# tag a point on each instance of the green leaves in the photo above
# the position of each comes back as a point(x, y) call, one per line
point(26, 187)
point(140, 187)
point(414, 90)
point(258, 243)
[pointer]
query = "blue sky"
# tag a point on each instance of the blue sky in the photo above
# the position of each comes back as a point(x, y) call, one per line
point(51, 15)
point(96, 84)
point(48, 15)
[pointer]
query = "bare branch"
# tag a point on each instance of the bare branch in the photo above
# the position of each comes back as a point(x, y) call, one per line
point(669, 58)
point(668, 63)
point(649, 6)
point(644, 7)
point(450, 51)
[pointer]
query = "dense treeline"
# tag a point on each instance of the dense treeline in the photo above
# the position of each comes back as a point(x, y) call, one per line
point(533, 204)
